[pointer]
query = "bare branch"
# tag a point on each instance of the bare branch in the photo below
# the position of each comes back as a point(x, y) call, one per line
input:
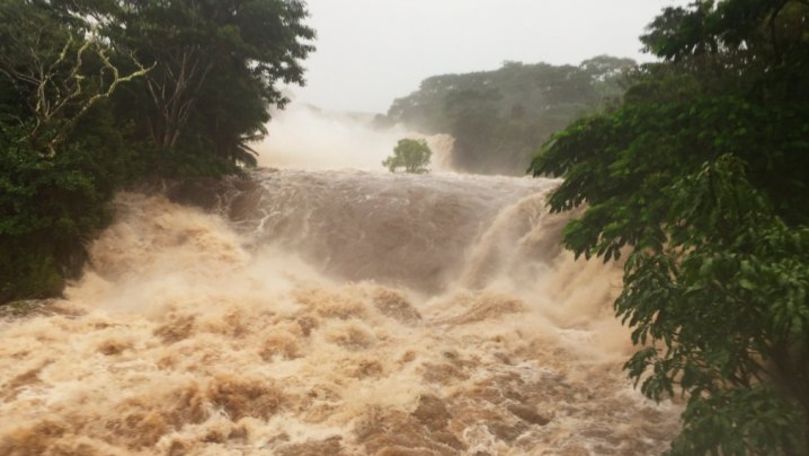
point(174, 91)
point(110, 90)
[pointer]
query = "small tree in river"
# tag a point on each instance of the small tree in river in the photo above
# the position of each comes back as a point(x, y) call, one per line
point(411, 154)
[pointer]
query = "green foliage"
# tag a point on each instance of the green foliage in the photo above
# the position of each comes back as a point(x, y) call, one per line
point(498, 117)
point(61, 154)
point(218, 66)
point(701, 177)
point(50, 206)
point(97, 94)
point(412, 155)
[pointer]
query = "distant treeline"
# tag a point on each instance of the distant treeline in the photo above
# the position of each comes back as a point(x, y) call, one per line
point(98, 94)
point(499, 118)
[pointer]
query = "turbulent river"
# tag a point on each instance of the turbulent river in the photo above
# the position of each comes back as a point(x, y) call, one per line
point(330, 313)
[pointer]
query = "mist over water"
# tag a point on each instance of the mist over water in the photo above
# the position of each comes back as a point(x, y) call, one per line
point(304, 137)
point(326, 310)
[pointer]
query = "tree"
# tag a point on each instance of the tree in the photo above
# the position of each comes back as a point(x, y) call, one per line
point(700, 176)
point(411, 154)
point(62, 70)
point(61, 156)
point(218, 67)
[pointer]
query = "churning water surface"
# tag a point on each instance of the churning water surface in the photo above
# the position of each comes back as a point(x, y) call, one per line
point(331, 313)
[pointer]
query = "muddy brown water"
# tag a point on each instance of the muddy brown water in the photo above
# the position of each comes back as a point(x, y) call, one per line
point(331, 313)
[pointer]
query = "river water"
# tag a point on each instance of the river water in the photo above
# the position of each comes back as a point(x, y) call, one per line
point(331, 313)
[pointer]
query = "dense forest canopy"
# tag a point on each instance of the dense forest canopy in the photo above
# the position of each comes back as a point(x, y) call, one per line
point(95, 94)
point(700, 175)
point(499, 117)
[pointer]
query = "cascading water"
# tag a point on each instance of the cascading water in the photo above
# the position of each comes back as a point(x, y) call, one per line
point(330, 313)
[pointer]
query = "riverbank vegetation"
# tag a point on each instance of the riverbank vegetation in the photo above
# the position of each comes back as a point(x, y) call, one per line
point(700, 178)
point(95, 95)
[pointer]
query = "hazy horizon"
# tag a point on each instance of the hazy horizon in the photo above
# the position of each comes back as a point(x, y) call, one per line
point(414, 39)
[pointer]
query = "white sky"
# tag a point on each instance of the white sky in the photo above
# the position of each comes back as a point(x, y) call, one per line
point(372, 51)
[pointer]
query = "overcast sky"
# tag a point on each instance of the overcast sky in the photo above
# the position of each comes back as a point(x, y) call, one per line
point(372, 51)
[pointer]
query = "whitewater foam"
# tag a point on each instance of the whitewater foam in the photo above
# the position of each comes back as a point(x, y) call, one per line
point(331, 313)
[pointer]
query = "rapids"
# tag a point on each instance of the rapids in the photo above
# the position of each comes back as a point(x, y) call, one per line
point(330, 313)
